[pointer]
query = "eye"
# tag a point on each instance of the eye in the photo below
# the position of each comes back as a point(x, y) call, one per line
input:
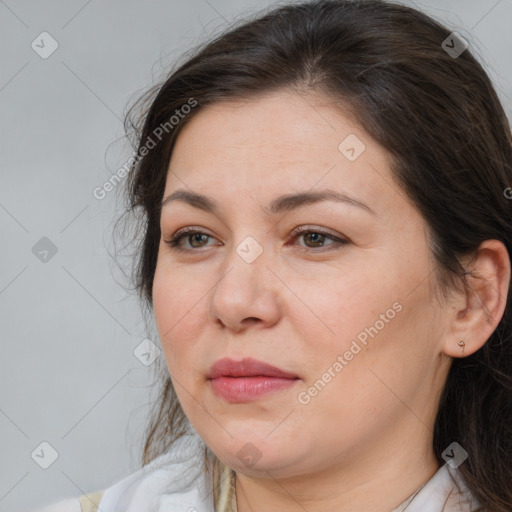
point(198, 239)
point(317, 237)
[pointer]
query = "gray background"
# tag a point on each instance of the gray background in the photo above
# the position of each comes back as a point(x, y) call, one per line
point(68, 328)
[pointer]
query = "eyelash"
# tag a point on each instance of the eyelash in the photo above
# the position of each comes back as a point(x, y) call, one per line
point(174, 242)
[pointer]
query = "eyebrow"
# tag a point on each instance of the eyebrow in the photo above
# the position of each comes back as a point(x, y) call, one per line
point(281, 204)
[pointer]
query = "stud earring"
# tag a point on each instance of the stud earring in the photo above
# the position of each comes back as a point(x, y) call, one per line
point(461, 345)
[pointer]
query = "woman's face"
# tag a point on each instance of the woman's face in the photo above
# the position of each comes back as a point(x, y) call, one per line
point(347, 308)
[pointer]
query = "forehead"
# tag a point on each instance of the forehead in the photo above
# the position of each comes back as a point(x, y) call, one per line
point(281, 142)
point(282, 121)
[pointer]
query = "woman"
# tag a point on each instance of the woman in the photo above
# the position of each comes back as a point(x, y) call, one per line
point(326, 225)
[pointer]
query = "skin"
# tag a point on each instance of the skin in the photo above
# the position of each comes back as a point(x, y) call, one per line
point(364, 442)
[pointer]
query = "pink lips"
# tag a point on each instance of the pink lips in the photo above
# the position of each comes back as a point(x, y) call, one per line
point(248, 379)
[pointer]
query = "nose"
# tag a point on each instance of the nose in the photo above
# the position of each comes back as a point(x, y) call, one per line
point(246, 294)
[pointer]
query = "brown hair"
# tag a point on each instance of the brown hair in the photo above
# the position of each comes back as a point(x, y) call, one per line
point(441, 120)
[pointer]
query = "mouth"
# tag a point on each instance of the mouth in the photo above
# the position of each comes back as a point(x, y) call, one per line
point(247, 380)
point(247, 367)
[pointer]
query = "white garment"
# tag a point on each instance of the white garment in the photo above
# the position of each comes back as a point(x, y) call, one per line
point(175, 481)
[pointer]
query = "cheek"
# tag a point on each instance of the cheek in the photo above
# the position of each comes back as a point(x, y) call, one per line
point(379, 339)
point(339, 306)
point(179, 315)
point(366, 318)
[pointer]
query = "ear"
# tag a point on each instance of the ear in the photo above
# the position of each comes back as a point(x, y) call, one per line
point(478, 310)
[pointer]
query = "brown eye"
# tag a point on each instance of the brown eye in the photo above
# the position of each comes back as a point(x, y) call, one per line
point(196, 239)
point(315, 238)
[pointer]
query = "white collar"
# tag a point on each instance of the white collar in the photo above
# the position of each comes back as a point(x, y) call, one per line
point(176, 481)
point(172, 481)
point(446, 491)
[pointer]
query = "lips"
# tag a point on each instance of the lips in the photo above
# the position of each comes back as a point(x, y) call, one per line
point(247, 380)
point(247, 367)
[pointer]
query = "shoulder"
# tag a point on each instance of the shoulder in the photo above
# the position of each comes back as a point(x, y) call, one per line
point(175, 480)
point(71, 505)
point(446, 491)
point(85, 503)
point(171, 481)
point(460, 497)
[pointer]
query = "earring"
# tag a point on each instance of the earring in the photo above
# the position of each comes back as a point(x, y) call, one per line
point(461, 345)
